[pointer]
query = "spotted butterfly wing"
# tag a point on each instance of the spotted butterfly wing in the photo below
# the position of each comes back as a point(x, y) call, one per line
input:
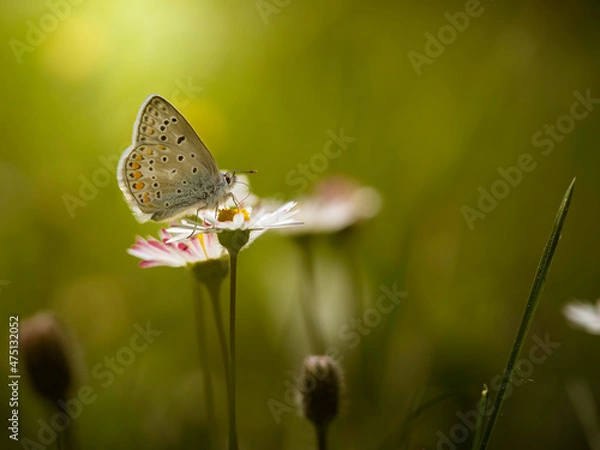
point(168, 172)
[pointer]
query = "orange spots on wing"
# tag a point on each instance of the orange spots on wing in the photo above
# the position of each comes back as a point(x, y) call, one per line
point(136, 175)
point(146, 198)
point(139, 185)
point(149, 152)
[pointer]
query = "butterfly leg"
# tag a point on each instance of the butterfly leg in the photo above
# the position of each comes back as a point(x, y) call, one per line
point(235, 201)
point(195, 224)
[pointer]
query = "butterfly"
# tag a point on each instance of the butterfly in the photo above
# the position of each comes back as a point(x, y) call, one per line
point(168, 172)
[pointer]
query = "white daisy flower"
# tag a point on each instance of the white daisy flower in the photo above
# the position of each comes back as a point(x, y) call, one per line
point(584, 315)
point(338, 204)
point(163, 252)
point(256, 221)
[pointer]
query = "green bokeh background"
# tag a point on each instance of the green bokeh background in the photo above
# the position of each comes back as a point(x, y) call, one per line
point(267, 89)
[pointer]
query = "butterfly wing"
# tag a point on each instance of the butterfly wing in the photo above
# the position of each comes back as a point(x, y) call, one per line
point(168, 170)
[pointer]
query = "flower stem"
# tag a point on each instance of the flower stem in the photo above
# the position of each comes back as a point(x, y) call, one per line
point(215, 297)
point(65, 439)
point(233, 242)
point(307, 303)
point(321, 438)
point(346, 242)
point(233, 255)
point(582, 397)
point(205, 363)
point(62, 440)
point(534, 296)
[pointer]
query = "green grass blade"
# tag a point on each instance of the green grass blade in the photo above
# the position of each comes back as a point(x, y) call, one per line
point(532, 302)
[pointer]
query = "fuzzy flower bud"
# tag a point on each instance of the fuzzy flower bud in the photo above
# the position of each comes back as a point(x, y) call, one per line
point(47, 356)
point(320, 385)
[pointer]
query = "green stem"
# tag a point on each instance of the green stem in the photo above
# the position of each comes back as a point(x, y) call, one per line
point(530, 308)
point(321, 438)
point(61, 440)
point(65, 439)
point(351, 259)
point(214, 292)
point(404, 430)
point(307, 302)
point(233, 255)
point(205, 363)
point(582, 398)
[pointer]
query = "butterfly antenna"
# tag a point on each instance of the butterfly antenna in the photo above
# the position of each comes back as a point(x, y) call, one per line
point(235, 200)
point(249, 190)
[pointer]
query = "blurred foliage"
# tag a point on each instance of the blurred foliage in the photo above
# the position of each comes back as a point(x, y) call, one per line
point(263, 91)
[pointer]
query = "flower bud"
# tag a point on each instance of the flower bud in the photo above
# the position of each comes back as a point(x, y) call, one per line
point(234, 240)
point(320, 385)
point(47, 355)
point(211, 270)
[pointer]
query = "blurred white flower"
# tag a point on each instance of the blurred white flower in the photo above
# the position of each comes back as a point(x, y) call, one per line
point(337, 204)
point(154, 253)
point(583, 315)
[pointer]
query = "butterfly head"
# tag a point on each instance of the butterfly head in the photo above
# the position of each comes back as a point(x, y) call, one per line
point(230, 178)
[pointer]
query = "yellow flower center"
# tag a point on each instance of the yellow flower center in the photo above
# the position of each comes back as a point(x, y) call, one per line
point(227, 215)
